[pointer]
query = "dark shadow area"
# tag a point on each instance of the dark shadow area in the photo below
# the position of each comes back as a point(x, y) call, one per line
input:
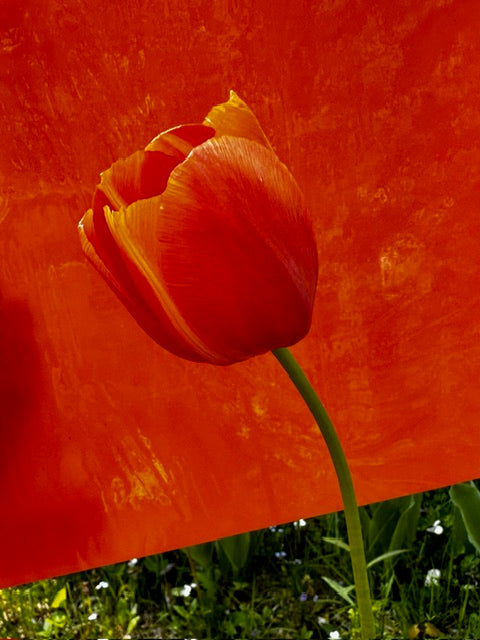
point(52, 524)
point(19, 374)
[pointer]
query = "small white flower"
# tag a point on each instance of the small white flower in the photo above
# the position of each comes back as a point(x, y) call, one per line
point(186, 590)
point(334, 635)
point(103, 584)
point(93, 616)
point(321, 620)
point(432, 579)
point(436, 528)
point(132, 562)
point(300, 523)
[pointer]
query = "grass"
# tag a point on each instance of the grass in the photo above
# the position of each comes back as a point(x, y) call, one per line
point(292, 581)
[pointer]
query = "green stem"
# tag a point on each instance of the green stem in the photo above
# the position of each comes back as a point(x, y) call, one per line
point(352, 516)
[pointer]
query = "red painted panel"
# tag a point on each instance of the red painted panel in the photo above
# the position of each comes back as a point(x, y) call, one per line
point(112, 447)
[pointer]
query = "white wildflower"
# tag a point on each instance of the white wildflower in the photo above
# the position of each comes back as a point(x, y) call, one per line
point(436, 528)
point(300, 523)
point(103, 584)
point(432, 579)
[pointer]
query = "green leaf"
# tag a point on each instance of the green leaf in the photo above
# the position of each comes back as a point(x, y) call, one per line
point(59, 619)
point(337, 542)
point(466, 497)
point(201, 553)
point(132, 624)
point(237, 549)
point(59, 599)
point(406, 528)
point(393, 524)
point(459, 536)
point(381, 527)
point(364, 519)
point(342, 591)
point(385, 556)
point(157, 564)
point(181, 611)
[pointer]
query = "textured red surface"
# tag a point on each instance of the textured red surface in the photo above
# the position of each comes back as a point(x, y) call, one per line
point(113, 448)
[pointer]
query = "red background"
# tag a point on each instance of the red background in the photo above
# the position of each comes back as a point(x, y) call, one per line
point(113, 448)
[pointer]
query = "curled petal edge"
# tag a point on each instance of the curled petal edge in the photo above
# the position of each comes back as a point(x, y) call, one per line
point(235, 118)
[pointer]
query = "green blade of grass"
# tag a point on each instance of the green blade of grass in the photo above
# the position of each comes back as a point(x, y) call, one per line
point(385, 556)
point(466, 497)
point(340, 589)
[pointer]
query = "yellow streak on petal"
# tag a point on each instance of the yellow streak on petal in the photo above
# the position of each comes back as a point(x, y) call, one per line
point(91, 253)
point(119, 223)
point(109, 188)
point(168, 142)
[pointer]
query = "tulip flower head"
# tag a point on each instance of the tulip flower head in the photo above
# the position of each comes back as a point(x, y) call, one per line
point(205, 237)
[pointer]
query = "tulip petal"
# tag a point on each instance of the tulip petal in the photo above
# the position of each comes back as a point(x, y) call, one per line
point(181, 139)
point(235, 118)
point(141, 175)
point(228, 246)
point(112, 267)
point(102, 250)
point(104, 254)
point(145, 174)
point(89, 242)
point(171, 327)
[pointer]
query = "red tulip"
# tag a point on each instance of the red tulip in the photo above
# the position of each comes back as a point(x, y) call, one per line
point(206, 239)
